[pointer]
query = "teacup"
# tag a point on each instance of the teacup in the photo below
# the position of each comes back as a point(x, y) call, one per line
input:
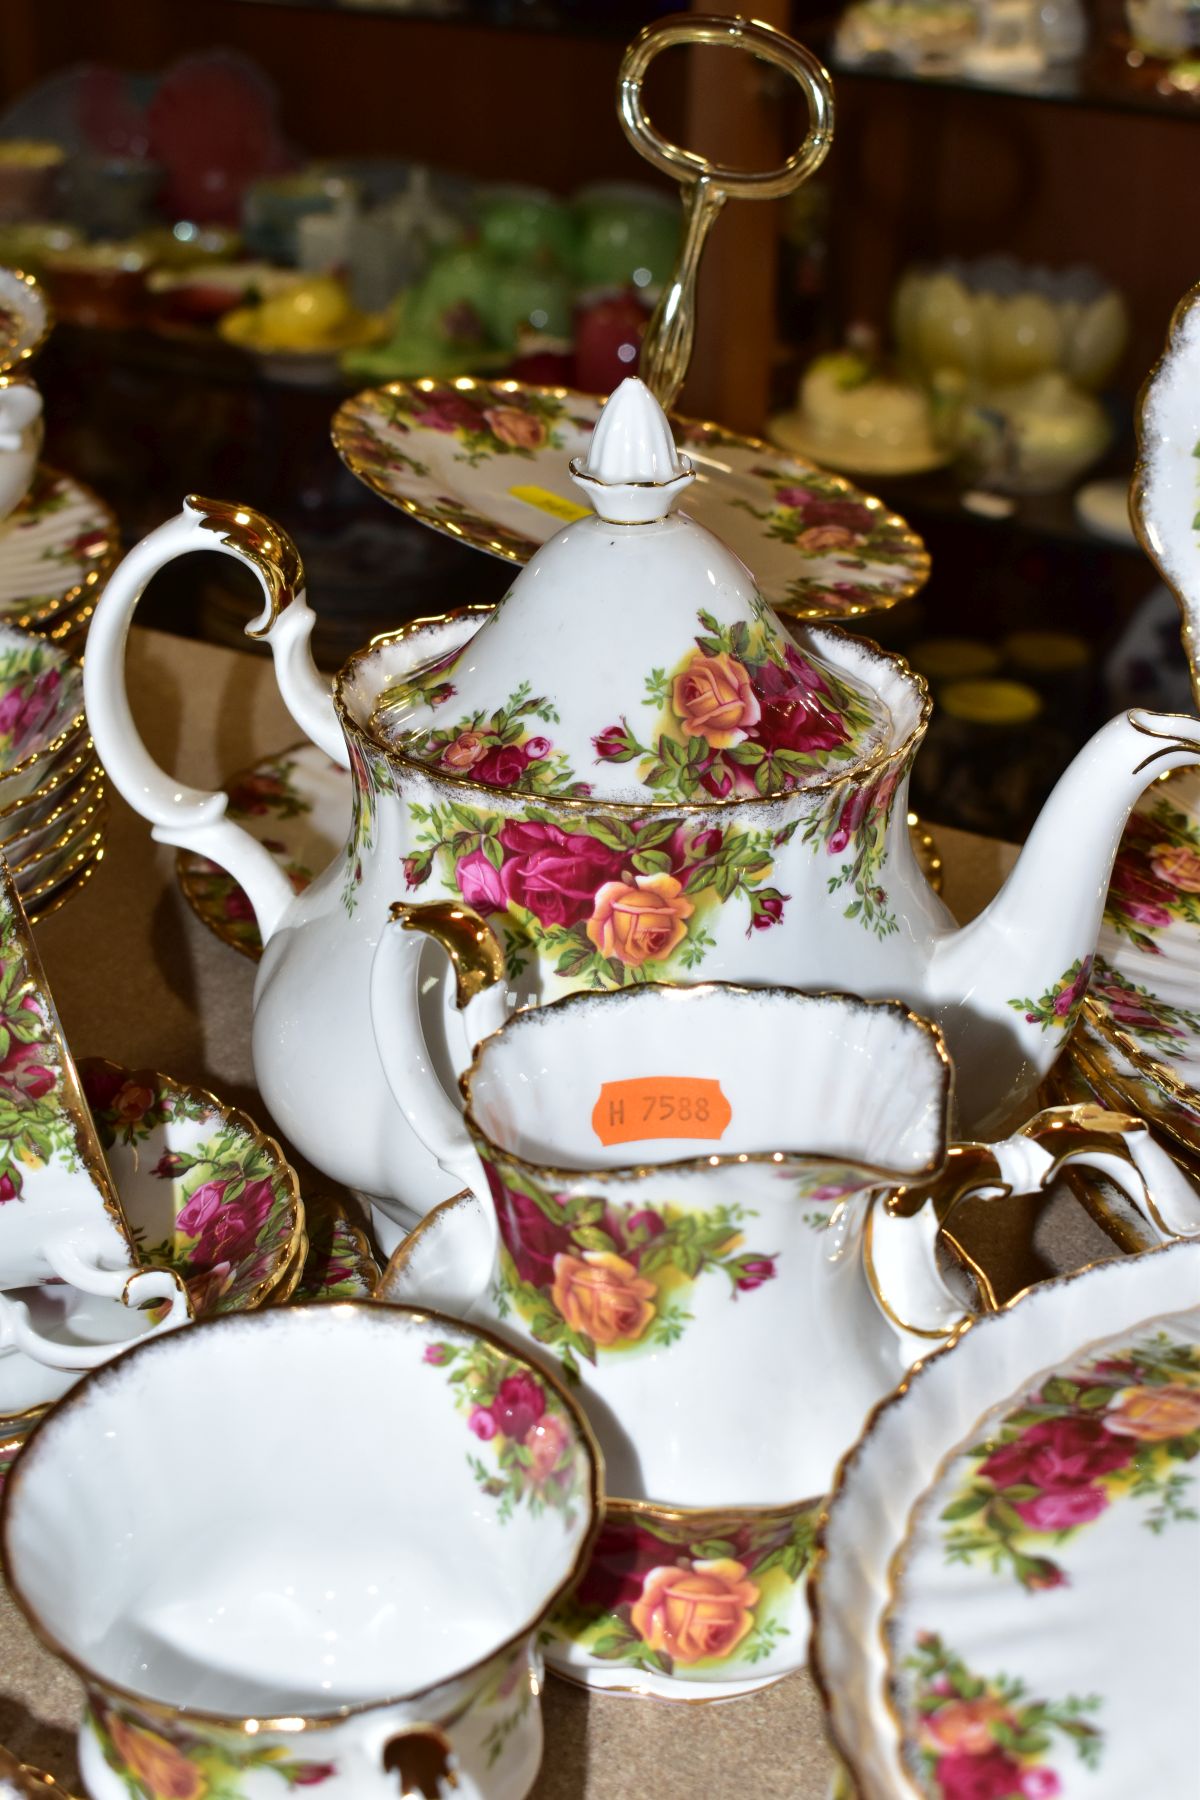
point(205, 1194)
point(362, 1619)
point(20, 439)
point(61, 1217)
point(718, 1209)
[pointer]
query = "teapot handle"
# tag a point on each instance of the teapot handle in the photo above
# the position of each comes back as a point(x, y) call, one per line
point(481, 997)
point(185, 816)
point(903, 1229)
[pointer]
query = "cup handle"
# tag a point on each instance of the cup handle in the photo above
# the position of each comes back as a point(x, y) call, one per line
point(482, 1001)
point(143, 1288)
point(903, 1229)
point(423, 1759)
point(185, 816)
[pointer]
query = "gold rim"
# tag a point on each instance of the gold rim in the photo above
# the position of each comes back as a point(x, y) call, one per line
point(573, 805)
point(498, 540)
point(86, 816)
point(846, 1751)
point(295, 1723)
point(10, 363)
point(89, 856)
point(55, 896)
point(550, 1172)
point(87, 590)
point(73, 793)
point(58, 778)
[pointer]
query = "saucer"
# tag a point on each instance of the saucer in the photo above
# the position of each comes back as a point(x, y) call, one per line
point(25, 319)
point(340, 1263)
point(56, 549)
point(1143, 1005)
point(55, 1186)
point(298, 805)
point(486, 463)
point(796, 433)
point(1006, 1584)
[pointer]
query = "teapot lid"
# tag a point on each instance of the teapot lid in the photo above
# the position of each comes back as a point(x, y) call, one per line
point(633, 659)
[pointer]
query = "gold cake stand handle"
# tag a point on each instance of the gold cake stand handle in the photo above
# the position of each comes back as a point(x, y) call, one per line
point(667, 345)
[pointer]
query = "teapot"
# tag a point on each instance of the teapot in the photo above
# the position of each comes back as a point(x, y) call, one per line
point(633, 771)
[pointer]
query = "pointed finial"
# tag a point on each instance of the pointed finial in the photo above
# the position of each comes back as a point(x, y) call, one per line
point(632, 473)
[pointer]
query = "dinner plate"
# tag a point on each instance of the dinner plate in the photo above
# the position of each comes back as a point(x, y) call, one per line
point(1005, 1594)
point(298, 805)
point(56, 549)
point(487, 463)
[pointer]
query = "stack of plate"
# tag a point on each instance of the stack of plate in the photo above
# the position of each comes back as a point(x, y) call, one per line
point(58, 546)
point(52, 806)
point(1138, 1042)
point(56, 551)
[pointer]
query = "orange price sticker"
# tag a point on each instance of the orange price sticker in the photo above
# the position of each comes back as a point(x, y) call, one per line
point(660, 1106)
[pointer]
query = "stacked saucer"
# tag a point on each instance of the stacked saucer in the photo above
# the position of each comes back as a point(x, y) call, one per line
point(53, 813)
point(59, 541)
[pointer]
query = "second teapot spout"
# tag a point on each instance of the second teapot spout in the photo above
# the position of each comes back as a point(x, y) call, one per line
point(1008, 987)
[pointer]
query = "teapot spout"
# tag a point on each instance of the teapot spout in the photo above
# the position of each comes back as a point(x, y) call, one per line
point(1008, 987)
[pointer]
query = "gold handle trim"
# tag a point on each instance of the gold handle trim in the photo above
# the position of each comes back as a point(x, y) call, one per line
point(466, 937)
point(267, 547)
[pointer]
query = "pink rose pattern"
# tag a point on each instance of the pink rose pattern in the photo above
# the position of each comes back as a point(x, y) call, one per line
point(36, 1123)
point(606, 902)
point(534, 1458)
point(1119, 1425)
point(826, 518)
point(1058, 1008)
point(709, 1584)
point(497, 750)
point(1156, 877)
point(738, 716)
point(983, 1738)
point(587, 1277)
point(233, 1202)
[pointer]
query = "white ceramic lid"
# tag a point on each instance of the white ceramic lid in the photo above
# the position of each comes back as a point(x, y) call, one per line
point(633, 659)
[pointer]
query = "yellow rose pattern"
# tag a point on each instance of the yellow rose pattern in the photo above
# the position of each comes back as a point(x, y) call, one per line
point(691, 1596)
point(161, 1762)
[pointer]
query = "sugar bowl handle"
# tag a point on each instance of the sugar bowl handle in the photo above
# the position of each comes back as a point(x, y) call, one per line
point(667, 346)
point(185, 816)
point(481, 998)
point(901, 1247)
